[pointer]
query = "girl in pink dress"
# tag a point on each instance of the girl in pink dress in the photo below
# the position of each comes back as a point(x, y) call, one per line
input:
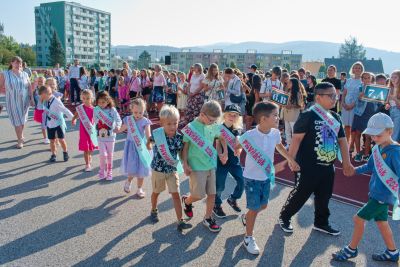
point(123, 94)
point(85, 112)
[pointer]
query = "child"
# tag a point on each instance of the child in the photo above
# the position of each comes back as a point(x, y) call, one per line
point(383, 186)
point(172, 89)
point(182, 92)
point(166, 165)
point(54, 111)
point(38, 113)
point(230, 130)
point(107, 122)
point(259, 172)
point(136, 159)
point(87, 133)
point(52, 83)
point(134, 85)
point(317, 136)
point(123, 93)
point(200, 160)
point(158, 87)
point(272, 83)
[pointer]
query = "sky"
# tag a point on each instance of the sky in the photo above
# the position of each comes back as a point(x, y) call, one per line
point(192, 23)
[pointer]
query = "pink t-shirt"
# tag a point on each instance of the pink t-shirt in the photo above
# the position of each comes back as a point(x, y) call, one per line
point(134, 84)
point(159, 80)
point(123, 92)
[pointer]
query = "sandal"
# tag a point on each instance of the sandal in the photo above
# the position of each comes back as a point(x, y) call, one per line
point(344, 254)
point(386, 256)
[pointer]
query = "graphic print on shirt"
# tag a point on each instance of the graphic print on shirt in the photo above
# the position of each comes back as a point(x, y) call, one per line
point(102, 129)
point(325, 143)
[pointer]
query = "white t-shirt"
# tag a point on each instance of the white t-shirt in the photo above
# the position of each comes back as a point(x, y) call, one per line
point(195, 82)
point(266, 142)
point(269, 84)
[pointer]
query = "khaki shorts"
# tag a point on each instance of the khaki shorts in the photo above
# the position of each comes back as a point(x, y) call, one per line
point(202, 183)
point(160, 179)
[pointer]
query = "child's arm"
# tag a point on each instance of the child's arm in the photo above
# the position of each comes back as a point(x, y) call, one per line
point(74, 118)
point(147, 132)
point(118, 121)
point(238, 147)
point(185, 152)
point(60, 106)
point(293, 165)
point(348, 168)
point(224, 156)
point(122, 129)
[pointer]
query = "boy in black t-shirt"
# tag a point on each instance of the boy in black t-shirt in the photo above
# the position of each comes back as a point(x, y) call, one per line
point(316, 146)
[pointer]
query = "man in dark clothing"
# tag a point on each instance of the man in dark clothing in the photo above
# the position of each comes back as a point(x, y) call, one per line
point(254, 82)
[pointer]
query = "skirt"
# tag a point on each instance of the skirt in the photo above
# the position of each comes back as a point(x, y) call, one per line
point(158, 94)
point(347, 117)
point(131, 164)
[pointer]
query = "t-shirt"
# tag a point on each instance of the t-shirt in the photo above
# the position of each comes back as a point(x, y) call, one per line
point(266, 142)
point(335, 81)
point(195, 82)
point(197, 159)
point(268, 85)
point(175, 145)
point(320, 144)
point(353, 87)
point(215, 86)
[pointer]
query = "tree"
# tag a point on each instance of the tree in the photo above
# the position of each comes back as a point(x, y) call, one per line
point(351, 49)
point(287, 66)
point(27, 54)
point(232, 65)
point(322, 69)
point(56, 50)
point(144, 60)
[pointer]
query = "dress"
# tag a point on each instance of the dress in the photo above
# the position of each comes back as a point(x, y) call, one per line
point(131, 164)
point(17, 96)
point(353, 90)
point(85, 143)
point(182, 98)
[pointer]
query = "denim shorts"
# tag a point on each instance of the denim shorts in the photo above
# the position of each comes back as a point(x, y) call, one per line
point(257, 193)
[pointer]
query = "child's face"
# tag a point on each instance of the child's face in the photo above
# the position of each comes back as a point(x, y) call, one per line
point(231, 117)
point(395, 80)
point(45, 95)
point(170, 125)
point(51, 84)
point(40, 82)
point(357, 70)
point(381, 82)
point(327, 99)
point(384, 137)
point(366, 79)
point(207, 120)
point(289, 85)
point(102, 103)
point(271, 121)
point(120, 82)
point(87, 99)
point(137, 112)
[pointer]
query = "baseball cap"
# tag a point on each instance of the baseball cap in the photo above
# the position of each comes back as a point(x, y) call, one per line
point(253, 67)
point(378, 123)
point(233, 108)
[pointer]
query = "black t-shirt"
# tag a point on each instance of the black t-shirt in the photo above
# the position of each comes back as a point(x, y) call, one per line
point(310, 94)
point(319, 145)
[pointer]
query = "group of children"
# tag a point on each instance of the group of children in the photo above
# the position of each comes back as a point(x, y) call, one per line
point(207, 150)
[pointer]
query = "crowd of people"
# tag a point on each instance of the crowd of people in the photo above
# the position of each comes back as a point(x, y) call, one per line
point(207, 117)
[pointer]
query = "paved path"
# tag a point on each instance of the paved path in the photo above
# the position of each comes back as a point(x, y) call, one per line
point(58, 215)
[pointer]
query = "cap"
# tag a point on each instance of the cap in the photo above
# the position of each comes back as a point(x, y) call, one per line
point(233, 108)
point(253, 67)
point(378, 123)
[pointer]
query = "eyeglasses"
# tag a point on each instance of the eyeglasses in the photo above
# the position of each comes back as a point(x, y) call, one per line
point(211, 121)
point(332, 96)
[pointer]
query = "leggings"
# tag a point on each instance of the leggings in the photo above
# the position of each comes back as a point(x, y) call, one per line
point(106, 151)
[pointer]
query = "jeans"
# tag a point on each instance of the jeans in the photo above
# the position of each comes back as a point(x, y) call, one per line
point(222, 172)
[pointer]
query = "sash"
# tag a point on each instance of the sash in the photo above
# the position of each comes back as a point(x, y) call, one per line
point(103, 116)
point(330, 121)
point(139, 142)
point(228, 136)
point(204, 145)
point(89, 127)
point(163, 149)
point(388, 178)
point(259, 157)
point(55, 116)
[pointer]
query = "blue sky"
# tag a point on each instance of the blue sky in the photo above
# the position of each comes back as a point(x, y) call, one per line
point(189, 23)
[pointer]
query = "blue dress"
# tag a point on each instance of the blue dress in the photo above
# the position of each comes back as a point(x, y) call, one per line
point(131, 164)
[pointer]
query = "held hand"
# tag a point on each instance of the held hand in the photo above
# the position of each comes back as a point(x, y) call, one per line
point(280, 166)
point(223, 158)
point(187, 170)
point(149, 146)
point(237, 152)
point(294, 166)
point(349, 170)
point(73, 122)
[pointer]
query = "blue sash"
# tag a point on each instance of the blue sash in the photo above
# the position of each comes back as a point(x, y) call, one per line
point(388, 178)
point(104, 117)
point(228, 136)
point(139, 142)
point(259, 157)
point(89, 127)
point(163, 149)
point(59, 117)
point(204, 145)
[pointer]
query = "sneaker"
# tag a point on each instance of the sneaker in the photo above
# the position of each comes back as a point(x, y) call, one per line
point(140, 193)
point(73, 104)
point(154, 216)
point(327, 229)
point(66, 156)
point(232, 202)
point(358, 157)
point(182, 225)
point(219, 212)
point(388, 255)
point(188, 209)
point(127, 187)
point(211, 225)
point(88, 168)
point(46, 141)
point(344, 254)
point(365, 158)
point(243, 219)
point(53, 158)
point(251, 246)
point(109, 177)
point(286, 226)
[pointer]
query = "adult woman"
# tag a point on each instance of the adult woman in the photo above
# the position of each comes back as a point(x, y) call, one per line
point(16, 85)
point(311, 83)
point(394, 102)
point(195, 99)
point(213, 84)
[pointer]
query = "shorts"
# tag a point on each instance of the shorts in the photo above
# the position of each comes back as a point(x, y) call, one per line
point(257, 193)
point(158, 94)
point(52, 132)
point(146, 91)
point(160, 179)
point(132, 94)
point(202, 183)
point(374, 210)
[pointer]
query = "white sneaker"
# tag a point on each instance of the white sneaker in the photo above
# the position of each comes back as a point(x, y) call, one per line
point(250, 244)
point(140, 193)
point(88, 168)
point(46, 141)
point(127, 187)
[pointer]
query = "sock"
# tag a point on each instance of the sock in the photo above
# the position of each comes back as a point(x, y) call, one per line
point(351, 249)
point(393, 252)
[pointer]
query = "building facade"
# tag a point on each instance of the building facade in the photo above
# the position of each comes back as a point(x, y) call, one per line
point(84, 33)
point(184, 59)
point(343, 65)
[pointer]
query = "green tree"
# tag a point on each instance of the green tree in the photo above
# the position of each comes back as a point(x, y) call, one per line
point(56, 50)
point(322, 69)
point(351, 49)
point(144, 60)
point(27, 54)
point(5, 56)
point(287, 66)
point(232, 65)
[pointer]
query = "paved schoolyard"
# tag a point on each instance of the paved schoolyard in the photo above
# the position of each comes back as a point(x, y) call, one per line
point(58, 215)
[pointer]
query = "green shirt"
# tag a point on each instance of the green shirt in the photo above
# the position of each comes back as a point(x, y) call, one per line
point(197, 159)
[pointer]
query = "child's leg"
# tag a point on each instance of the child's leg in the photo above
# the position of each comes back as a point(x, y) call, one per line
point(288, 133)
point(110, 154)
point(130, 178)
point(359, 226)
point(63, 144)
point(251, 216)
point(221, 174)
point(347, 130)
point(53, 147)
point(44, 133)
point(387, 234)
point(90, 156)
point(210, 205)
point(237, 174)
point(177, 205)
point(154, 198)
point(357, 141)
point(367, 149)
point(352, 138)
point(140, 181)
point(86, 156)
point(102, 157)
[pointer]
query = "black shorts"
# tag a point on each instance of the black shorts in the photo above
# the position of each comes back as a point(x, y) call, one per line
point(146, 91)
point(52, 132)
point(132, 94)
